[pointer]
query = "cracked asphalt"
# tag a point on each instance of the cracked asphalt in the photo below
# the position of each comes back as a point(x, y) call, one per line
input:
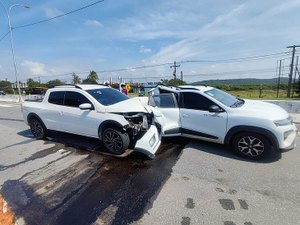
point(71, 180)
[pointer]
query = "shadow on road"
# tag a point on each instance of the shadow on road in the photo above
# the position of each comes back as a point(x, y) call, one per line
point(226, 151)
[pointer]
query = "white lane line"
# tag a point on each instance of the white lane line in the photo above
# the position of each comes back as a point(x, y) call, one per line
point(7, 106)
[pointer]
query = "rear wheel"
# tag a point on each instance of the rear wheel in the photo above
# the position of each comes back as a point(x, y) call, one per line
point(115, 140)
point(37, 128)
point(251, 145)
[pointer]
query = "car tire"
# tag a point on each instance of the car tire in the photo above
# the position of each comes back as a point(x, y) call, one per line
point(251, 145)
point(115, 140)
point(37, 128)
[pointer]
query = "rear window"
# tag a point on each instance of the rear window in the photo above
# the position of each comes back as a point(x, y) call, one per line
point(56, 97)
point(108, 96)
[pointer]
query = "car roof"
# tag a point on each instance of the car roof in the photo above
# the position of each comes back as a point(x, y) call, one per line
point(90, 86)
point(185, 87)
point(81, 86)
point(200, 88)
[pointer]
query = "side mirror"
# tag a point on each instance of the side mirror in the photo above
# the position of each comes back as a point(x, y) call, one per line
point(85, 106)
point(215, 108)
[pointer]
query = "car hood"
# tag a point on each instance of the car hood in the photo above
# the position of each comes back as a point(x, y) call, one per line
point(128, 106)
point(263, 109)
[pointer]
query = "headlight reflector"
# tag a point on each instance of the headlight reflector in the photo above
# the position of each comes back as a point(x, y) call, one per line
point(283, 122)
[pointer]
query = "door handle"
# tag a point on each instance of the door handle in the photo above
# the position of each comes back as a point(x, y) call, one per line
point(61, 113)
point(185, 115)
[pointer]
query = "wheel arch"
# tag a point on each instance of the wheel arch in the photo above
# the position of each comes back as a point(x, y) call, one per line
point(241, 129)
point(34, 115)
point(108, 123)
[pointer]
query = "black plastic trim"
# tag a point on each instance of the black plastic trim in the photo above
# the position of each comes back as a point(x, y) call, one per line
point(33, 115)
point(106, 123)
point(196, 133)
point(238, 129)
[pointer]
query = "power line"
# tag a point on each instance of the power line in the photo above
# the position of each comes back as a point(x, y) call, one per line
point(273, 55)
point(187, 61)
point(166, 64)
point(52, 18)
point(267, 70)
point(55, 17)
point(133, 68)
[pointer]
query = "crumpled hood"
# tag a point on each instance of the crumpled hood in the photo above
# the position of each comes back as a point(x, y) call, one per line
point(263, 109)
point(128, 106)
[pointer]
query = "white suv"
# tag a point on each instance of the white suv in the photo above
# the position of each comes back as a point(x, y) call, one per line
point(253, 128)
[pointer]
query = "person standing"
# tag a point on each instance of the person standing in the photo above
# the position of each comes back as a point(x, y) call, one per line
point(123, 89)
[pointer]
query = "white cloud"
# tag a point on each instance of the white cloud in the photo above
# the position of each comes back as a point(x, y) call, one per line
point(35, 68)
point(93, 23)
point(143, 49)
point(52, 12)
point(224, 18)
point(284, 7)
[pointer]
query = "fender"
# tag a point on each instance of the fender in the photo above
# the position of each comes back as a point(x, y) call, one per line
point(237, 129)
point(111, 123)
point(31, 115)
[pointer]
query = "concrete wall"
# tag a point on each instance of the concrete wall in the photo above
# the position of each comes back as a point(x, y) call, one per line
point(289, 106)
point(15, 98)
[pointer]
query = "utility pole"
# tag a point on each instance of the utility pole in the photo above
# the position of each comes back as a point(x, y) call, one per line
point(295, 75)
point(279, 74)
point(175, 66)
point(291, 70)
point(181, 76)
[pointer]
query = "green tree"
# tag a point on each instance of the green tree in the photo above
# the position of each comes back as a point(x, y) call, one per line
point(32, 84)
point(173, 82)
point(54, 82)
point(92, 78)
point(6, 86)
point(75, 79)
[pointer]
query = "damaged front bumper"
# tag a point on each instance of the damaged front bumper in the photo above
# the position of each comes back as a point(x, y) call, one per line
point(149, 142)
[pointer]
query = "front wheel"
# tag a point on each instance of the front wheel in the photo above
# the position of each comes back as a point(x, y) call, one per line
point(115, 140)
point(251, 145)
point(37, 128)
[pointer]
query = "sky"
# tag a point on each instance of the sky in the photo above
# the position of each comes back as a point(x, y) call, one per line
point(138, 40)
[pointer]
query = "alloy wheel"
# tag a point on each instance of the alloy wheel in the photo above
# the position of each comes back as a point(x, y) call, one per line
point(251, 146)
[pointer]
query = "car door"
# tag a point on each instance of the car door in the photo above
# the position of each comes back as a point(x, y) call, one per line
point(77, 121)
point(197, 121)
point(51, 114)
point(167, 105)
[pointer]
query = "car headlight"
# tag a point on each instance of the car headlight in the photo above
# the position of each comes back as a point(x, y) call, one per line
point(145, 122)
point(287, 134)
point(283, 122)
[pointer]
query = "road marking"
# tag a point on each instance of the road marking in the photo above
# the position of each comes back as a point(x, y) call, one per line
point(7, 105)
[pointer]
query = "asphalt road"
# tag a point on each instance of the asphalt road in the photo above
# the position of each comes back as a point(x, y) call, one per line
point(71, 180)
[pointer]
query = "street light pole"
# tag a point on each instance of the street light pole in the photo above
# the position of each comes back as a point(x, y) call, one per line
point(12, 45)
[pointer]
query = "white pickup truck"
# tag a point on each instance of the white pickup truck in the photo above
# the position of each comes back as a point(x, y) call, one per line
point(95, 111)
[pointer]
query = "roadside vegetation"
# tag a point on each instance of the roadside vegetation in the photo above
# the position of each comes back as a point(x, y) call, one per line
point(252, 90)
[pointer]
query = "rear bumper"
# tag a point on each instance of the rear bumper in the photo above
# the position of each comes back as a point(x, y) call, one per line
point(149, 143)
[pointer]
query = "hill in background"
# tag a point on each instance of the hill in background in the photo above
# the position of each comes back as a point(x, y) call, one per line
point(248, 81)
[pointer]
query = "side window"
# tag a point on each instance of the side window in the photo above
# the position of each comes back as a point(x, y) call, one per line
point(74, 99)
point(163, 101)
point(196, 101)
point(56, 97)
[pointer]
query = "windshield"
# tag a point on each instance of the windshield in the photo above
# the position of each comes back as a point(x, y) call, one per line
point(225, 98)
point(107, 96)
